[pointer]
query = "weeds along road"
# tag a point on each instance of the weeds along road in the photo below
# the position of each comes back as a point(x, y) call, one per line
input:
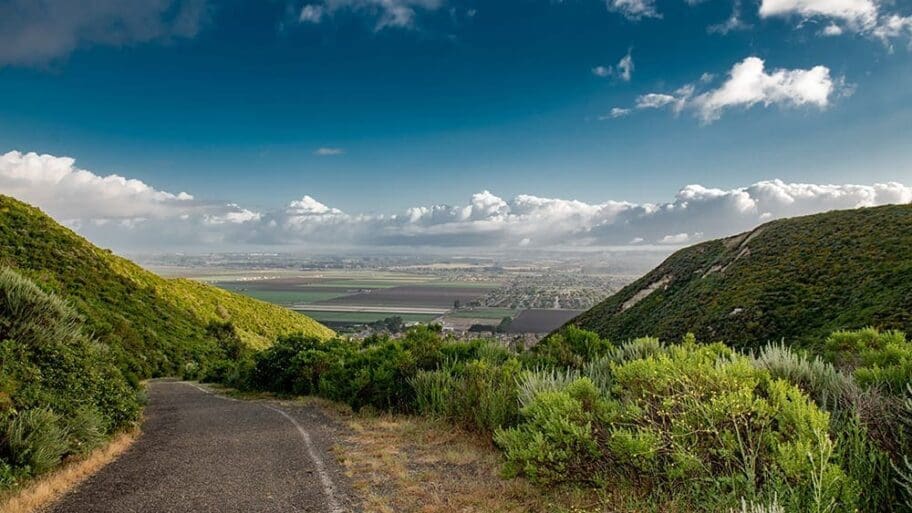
point(203, 452)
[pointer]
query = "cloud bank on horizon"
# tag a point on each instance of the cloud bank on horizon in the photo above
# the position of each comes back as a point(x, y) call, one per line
point(128, 214)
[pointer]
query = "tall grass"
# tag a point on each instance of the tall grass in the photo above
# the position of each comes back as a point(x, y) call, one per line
point(36, 440)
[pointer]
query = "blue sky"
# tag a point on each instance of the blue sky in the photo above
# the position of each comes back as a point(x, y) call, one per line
point(430, 101)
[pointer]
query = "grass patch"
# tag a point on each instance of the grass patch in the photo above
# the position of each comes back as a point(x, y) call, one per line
point(42, 491)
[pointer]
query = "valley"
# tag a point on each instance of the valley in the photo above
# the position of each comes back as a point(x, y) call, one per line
point(537, 295)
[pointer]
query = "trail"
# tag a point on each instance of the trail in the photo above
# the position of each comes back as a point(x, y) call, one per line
point(203, 452)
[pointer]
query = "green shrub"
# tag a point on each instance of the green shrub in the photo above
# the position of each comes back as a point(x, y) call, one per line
point(570, 347)
point(555, 441)
point(35, 440)
point(85, 431)
point(435, 392)
point(488, 396)
point(677, 418)
point(877, 358)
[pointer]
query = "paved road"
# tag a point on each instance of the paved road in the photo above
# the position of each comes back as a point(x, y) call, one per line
point(201, 452)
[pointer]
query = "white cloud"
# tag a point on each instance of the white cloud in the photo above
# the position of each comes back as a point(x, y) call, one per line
point(601, 71)
point(113, 207)
point(129, 214)
point(311, 13)
point(37, 32)
point(328, 151)
point(893, 26)
point(749, 84)
point(832, 30)
point(616, 112)
point(680, 238)
point(623, 70)
point(733, 23)
point(857, 16)
point(634, 9)
point(386, 13)
point(654, 100)
point(857, 13)
point(625, 67)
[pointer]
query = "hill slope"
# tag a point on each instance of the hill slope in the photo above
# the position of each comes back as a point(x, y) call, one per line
point(153, 323)
point(797, 279)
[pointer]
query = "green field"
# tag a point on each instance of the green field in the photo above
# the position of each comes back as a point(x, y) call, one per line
point(365, 317)
point(285, 297)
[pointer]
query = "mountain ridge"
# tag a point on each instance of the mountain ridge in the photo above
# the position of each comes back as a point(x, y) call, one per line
point(796, 279)
point(153, 323)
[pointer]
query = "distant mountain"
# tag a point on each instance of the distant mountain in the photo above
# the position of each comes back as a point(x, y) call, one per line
point(795, 279)
point(154, 324)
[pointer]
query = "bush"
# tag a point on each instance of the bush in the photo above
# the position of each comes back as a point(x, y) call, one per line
point(676, 418)
point(556, 440)
point(878, 359)
point(60, 391)
point(35, 440)
point(570, 347)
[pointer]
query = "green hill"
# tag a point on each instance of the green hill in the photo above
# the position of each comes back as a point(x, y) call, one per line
point(154, 324)
point(795, 279)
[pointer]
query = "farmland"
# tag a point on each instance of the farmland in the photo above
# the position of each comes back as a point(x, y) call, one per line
point(461, 294)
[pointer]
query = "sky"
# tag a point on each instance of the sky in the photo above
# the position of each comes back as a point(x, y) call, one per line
point(170, 125)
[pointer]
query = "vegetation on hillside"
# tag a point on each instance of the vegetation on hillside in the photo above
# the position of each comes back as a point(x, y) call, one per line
point(61, 392)
point(703, 424)
point(152, 325)
point(794, 279)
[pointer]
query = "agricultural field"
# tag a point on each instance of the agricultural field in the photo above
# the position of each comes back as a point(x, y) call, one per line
point(428, 295)
point(541, 321)
point(350, 294)
point(334, 319)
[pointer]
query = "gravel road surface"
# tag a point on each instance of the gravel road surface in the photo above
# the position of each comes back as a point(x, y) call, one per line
point(201, 452)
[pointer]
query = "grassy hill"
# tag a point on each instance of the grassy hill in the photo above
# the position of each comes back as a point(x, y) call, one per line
point(154, 324)
point(797, 279)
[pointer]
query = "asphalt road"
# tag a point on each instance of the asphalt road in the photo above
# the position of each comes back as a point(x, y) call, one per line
point(200, 452)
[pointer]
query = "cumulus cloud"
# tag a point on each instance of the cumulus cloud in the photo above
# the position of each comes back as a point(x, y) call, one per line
point(37, 32)
point(858, 13)
point(328, 151)
point(865, 17)
point(386, 13)
point(749, 84)
point(129, 214)
point(114, 204)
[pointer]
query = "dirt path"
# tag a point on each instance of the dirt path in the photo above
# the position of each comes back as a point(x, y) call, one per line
point(203, 452)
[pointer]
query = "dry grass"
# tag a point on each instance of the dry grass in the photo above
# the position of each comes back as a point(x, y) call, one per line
point(413, 465)
point(45, 489)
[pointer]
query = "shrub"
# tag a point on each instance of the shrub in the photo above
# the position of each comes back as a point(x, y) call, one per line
point(480, 395)
point(435, 392)
point(676, 418)
point(60, 391)
point(570, 347)
point(556, 440)
point(877, 358)
point(35, 440)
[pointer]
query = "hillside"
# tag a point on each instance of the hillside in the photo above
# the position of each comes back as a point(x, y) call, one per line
point(154, 324)
point(795, 279)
